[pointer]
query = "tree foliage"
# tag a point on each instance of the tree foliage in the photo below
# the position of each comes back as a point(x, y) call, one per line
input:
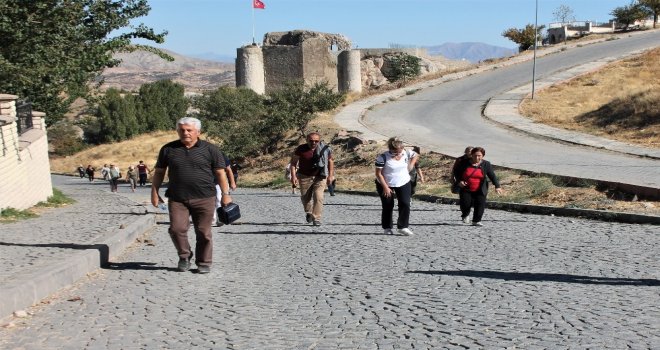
point(246, 123)
point(403, 67)
point(50, 50)
point(628, 14)
point(160, 105)
point(117, 117)
point(121, 116)
point(524, 37)
point(652, 7)
point(295, 105)
point(234, 118)
point(64, 140)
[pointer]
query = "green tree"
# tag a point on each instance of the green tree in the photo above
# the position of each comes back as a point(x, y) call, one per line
point(247, 124)
point(628, 14)
point(523, 37)
point(403, 67)
point(50, 50)
point(160, 105)
point(117, 117)
point(64, 141)
point(295, 105)
point(233, 117)
point(652, 7)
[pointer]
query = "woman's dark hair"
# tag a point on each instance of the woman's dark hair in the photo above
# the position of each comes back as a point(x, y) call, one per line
point(478, 149)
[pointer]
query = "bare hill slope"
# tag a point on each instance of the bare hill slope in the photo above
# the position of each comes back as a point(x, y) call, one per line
point(142, 67)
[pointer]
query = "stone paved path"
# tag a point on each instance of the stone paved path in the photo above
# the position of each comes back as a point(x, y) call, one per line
point(522, 281)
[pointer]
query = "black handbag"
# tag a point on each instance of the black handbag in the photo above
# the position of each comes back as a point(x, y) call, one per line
point(229, 213)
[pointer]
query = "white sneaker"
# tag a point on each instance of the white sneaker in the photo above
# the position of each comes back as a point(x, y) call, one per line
point(478, 223)
point(388, 231)
point(405, 231)
point(466, 220)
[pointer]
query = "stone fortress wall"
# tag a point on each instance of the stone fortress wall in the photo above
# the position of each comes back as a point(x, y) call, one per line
point(299, 55)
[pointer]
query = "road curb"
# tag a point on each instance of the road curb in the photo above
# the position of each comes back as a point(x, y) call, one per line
point(33, 288)
point(626, 218)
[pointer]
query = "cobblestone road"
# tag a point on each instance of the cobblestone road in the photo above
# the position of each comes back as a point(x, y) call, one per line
point(522, 281)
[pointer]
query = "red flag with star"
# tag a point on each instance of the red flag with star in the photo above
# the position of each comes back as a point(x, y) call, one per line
point(258, 4)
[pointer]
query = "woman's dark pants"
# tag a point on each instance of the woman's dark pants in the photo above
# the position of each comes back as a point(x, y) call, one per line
point(469, 199)
point(403, 200)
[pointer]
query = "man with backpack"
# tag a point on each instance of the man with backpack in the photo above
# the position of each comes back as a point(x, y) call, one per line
point(312, 169)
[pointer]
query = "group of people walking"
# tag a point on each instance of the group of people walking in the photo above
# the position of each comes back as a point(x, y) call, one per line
point(470, 175)
point(135, 175)
point(200, 180)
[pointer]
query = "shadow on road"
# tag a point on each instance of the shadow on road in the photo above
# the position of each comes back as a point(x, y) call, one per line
point(544, 277)
point(136, 265)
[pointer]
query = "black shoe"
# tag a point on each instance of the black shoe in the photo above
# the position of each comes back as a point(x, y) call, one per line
point(317, 223)
point(309, 217)
point(203, 269)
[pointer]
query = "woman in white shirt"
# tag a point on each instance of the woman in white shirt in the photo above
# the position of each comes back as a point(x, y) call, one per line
point(393, 176)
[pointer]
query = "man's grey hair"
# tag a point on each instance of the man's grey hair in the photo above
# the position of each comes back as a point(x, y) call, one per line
point(190, 120)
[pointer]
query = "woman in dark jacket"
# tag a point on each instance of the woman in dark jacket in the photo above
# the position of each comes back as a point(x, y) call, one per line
point(474, 174)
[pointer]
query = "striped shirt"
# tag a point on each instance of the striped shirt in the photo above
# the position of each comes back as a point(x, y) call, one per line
point(191, 170)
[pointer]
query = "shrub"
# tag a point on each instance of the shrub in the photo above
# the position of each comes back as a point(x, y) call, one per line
point(402, 67)
point(64, 140)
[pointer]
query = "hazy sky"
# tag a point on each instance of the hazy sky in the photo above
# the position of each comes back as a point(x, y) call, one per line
point(220, 26)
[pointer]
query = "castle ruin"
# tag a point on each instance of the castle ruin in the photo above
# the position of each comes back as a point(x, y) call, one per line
point(299, 55)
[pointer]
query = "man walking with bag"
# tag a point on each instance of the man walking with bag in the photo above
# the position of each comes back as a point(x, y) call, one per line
point(312, 169)
point(194, 167)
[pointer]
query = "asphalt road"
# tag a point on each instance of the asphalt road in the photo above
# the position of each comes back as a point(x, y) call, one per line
point(447, 117)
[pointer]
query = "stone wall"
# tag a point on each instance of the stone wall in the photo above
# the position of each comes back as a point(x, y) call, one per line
point(24, 165)
point(296, 56)
point(319, 63)
point(282, 64)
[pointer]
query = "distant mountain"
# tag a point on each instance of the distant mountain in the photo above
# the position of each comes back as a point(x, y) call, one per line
point(473, 52)
point(212, 56)
point(142, 67)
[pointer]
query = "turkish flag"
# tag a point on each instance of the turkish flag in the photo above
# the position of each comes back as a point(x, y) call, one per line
point(258, 4)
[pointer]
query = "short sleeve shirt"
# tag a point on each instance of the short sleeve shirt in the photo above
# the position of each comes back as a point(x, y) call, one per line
point(191, 170)
point(395, 171)
point(142, 168)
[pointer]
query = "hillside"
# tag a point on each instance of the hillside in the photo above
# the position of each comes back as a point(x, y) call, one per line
point(142, 67)
point(471, 52)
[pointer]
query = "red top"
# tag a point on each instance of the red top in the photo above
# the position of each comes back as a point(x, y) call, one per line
point(142, 168)
point(473, 176)
point(305, 154)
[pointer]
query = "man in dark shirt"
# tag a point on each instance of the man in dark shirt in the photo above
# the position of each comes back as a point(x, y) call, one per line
point(194, 167)
point(143, 171)
point(311, 178)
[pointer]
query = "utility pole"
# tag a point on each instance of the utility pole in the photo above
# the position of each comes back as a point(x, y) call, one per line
point(536, 35)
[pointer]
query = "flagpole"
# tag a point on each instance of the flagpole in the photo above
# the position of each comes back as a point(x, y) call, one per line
point(253, 42)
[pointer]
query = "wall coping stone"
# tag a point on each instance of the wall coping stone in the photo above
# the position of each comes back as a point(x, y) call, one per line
point(7, 97)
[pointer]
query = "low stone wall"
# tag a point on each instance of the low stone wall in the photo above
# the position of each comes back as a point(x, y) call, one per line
point(24, 165)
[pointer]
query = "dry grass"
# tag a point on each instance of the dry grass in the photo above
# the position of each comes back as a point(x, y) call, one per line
point(620, 102)
point(586, 103)
point(144, 147)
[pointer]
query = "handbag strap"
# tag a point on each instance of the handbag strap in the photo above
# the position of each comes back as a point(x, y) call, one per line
point(473, 171)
